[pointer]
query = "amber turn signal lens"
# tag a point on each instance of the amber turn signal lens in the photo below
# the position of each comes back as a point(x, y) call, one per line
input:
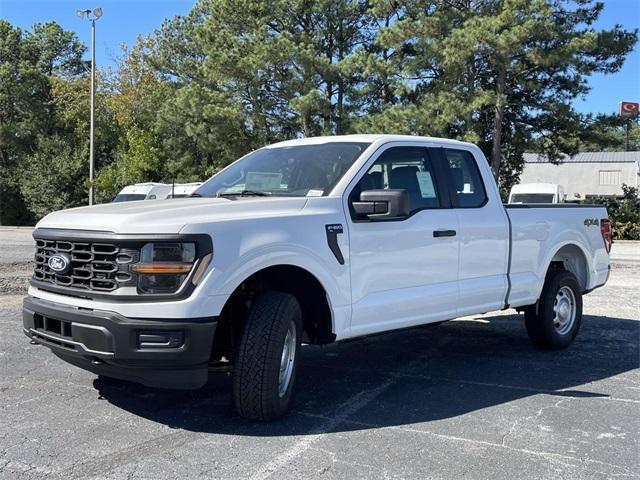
point(160, 268)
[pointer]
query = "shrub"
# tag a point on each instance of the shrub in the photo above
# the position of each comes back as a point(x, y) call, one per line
point(624, 213)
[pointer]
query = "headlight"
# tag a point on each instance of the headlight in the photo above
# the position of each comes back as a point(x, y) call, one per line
point(164, 266)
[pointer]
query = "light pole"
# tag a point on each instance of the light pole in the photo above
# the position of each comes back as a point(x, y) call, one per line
point(92, 16)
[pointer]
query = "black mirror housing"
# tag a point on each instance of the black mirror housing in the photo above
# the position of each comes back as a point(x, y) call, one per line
point(383, 204)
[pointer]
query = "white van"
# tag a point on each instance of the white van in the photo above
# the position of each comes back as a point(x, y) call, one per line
point(180, 190)
point(143, 191)
point(536, 193)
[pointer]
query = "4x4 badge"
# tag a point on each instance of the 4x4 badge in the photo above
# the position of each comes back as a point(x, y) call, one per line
point(590, 222)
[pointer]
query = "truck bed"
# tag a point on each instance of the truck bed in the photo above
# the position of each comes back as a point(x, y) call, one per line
point(539, 233)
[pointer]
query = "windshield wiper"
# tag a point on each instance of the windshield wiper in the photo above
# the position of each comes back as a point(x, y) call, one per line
point(244, 193)
point(195, 195)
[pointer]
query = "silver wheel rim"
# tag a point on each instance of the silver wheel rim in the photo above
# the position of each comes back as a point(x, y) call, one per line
point(288, 357)
point(564, 309)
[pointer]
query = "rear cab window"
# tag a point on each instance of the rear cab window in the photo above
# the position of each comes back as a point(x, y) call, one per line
point(465, 181)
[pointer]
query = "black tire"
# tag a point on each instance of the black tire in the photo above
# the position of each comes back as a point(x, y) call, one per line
point(257, 362)
point(540, 319)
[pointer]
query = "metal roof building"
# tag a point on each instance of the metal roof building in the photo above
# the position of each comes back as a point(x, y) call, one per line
point(589, 157)
point(586, 174)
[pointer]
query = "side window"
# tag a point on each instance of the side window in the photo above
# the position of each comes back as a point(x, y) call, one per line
point(466, 182)
point(408, 168)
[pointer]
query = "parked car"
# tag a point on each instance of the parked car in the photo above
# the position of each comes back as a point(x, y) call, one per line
point(536, 193)
point(143, 191)
point(306, 241)
point(181, 190)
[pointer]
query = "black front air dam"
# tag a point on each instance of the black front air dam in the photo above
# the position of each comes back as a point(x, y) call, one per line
point(109, 344)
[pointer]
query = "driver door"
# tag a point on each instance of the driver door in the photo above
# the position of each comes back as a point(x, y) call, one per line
point(404, 272)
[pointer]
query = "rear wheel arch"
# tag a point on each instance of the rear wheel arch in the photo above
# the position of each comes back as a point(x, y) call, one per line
point(572, 258)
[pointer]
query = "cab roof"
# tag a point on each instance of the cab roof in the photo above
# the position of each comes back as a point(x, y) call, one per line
point(365, 138)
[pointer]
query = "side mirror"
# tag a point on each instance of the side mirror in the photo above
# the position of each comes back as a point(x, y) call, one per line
point(383, 204)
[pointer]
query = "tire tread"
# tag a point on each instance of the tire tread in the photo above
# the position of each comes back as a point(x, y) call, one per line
point(259, 349)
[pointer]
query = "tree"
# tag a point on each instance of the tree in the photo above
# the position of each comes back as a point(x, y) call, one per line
point(249, 73)
point(28, 60)
point(199, 128)
point(229, 77)
point(70, 102)
point(501, 73)
point(62, 186)
point(608, 133)
point(133, 93)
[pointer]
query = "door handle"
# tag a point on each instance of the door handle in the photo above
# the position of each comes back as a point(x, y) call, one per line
point(444, 233)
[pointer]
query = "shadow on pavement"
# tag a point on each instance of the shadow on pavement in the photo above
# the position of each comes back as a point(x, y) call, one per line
point(427, 374)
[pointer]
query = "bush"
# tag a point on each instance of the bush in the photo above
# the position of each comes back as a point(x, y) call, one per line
point(624, 213)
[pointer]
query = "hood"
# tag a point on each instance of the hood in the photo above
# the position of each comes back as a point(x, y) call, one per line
point(168, 216)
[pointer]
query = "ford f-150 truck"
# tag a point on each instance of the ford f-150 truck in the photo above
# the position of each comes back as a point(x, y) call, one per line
point(309, 241)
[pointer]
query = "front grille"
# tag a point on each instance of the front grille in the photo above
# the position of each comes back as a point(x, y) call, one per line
point(101, 267)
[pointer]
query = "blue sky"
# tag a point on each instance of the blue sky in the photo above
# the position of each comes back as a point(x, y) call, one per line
point(123, 20)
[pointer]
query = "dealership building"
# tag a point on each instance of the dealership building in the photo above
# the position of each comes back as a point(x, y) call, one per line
point(586, 174)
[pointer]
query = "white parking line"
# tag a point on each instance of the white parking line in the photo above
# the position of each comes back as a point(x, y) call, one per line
point(345, 410)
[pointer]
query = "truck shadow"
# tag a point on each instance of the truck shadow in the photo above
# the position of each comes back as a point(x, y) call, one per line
point(412, 376)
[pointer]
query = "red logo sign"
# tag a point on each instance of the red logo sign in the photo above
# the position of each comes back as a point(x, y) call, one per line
point(629, 109)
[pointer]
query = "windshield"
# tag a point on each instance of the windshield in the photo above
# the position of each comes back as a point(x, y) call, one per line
point(302, 170)
point(128, 197)
point(532, 198)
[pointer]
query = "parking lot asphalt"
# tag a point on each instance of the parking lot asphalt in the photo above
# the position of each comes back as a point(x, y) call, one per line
point(468, 398)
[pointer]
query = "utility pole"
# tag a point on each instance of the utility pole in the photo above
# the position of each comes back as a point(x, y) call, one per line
point(626, 136)
point(92, 16)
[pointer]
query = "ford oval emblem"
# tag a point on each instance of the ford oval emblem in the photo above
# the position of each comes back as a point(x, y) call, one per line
point(59, 263)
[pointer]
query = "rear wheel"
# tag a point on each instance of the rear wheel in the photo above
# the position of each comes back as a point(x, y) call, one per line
point(267, 357)
point(554, 322)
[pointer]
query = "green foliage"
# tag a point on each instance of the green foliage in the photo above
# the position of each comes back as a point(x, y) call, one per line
point(141, 162)
point(43, 122)
point(49, 179)
point(232, 76)
point(624, 213)
point(499, 73)
point(609, 132)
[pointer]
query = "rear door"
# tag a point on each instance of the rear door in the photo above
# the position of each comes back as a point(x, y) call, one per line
point(403, 272)
point(483, 233)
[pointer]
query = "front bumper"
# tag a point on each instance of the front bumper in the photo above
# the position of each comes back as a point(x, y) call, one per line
point(164, 353)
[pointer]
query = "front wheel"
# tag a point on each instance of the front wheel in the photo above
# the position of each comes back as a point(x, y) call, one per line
point(554, 322)
point(267, 357)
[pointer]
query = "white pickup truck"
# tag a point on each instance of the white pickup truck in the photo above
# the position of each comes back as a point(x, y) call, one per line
point(305, 241)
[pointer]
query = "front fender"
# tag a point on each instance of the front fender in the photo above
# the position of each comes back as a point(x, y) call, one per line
point(224, 277)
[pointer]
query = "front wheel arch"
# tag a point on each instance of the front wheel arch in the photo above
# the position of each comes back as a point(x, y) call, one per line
point(317, 317)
